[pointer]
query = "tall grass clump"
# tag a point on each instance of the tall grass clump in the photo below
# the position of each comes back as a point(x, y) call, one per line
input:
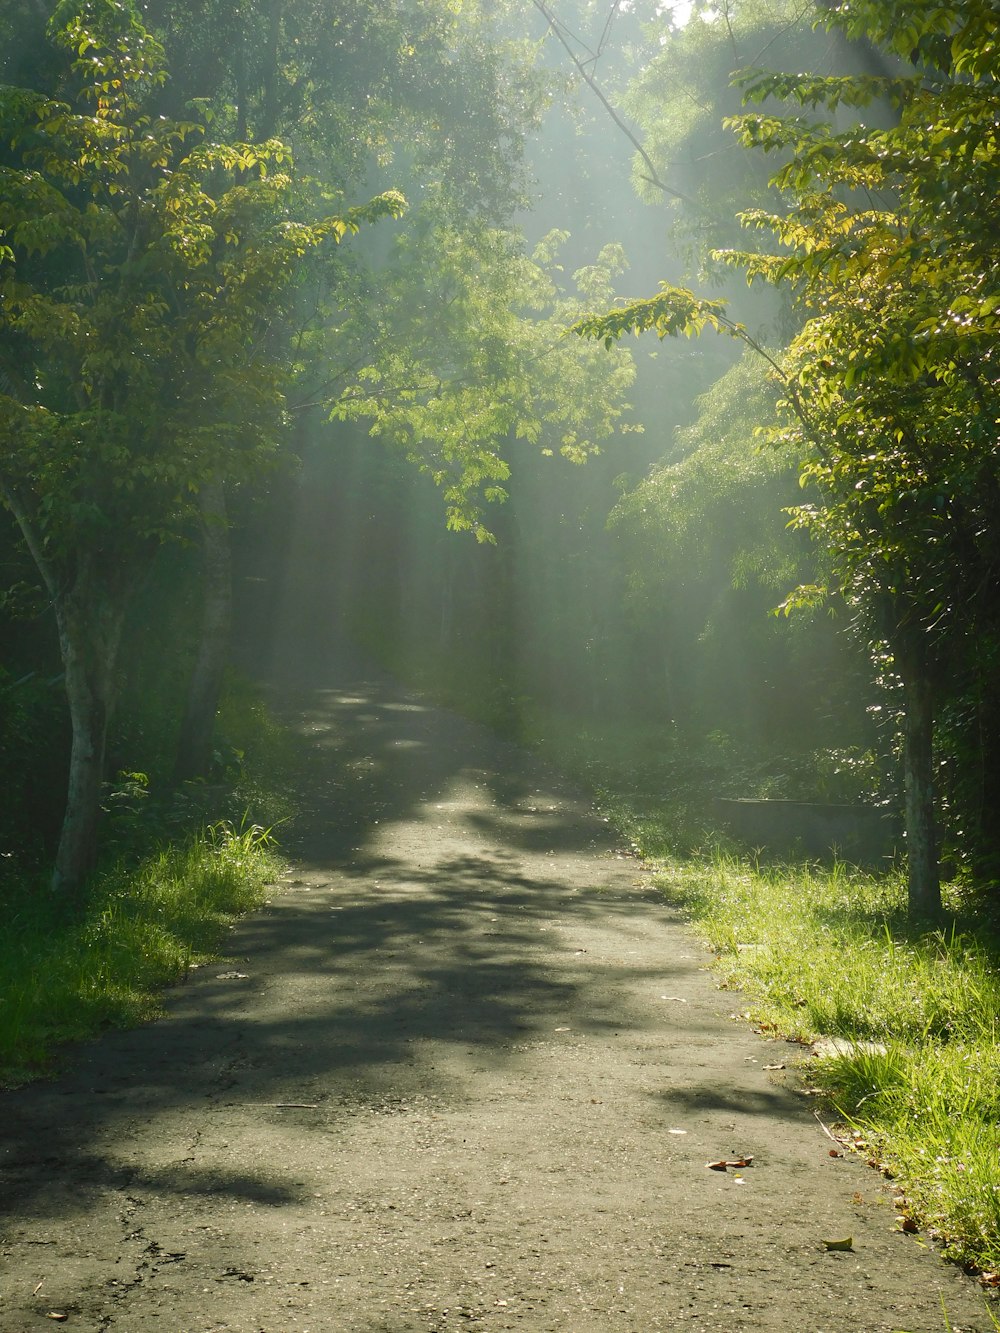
point(66, 975)
point(916, 1067)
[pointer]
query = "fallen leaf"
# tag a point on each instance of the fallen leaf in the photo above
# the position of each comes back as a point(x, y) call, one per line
point(774, 1066)
point(58, 1316)
point(907, 1224)
point(846, 1244)
point(676, 1131)
point(717, 1166)
point(835, 1152)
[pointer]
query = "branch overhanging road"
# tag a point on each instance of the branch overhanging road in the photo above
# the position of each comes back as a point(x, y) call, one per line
point(465, 1072)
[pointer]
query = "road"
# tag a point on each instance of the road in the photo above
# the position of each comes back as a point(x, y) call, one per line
point(465, 1071)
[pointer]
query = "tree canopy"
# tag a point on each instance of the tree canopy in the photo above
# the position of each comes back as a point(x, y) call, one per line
point(144, 272)
point(884, 237)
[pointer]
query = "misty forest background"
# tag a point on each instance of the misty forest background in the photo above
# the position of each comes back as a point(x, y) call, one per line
point(327, 368)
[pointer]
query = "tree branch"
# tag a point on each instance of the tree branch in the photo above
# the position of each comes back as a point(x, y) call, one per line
point(653, 175)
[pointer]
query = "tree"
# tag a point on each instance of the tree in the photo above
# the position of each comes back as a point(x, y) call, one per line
point(469, 359)
point(426, 96)
point(145, 272)
point(886, 239)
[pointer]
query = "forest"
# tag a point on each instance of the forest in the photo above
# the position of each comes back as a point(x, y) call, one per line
point(621, 374)
point(286, 301)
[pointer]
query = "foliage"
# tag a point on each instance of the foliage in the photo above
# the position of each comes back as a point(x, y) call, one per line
point(718, 499)
point(67, 976)
point(431, 93)
point(684, 91)
point(144, 266)
point(146, 277)
point(472, 359)
point(885, 238)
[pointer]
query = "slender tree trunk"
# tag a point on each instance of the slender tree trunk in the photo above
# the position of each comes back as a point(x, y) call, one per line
point(90, 609)
point(923, 877)
point(270, 108)
point(90, 621)
point(194, 746)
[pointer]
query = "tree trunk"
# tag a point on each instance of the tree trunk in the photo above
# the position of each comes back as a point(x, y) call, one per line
point(923, 877)
point(194, 746)
point(89, 606)
point(89, 620)
point(270, 108)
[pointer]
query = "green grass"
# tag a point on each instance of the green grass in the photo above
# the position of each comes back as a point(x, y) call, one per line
point(66, 975)
point(828, 953)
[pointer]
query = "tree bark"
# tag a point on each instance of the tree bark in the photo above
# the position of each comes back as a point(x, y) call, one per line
point(194, 746)
point(89, 606)
point(89, 619)
point(923, 876)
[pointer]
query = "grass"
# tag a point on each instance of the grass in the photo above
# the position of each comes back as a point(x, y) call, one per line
point(67, 975)
point(828, 953)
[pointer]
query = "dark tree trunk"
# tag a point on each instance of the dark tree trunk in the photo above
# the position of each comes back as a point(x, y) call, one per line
point(270, 108)
point(194, 746)
point(89, 599)
point(923, 877)
point(90, 621)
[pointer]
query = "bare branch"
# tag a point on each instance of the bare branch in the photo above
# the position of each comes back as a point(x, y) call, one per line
point(653, 175)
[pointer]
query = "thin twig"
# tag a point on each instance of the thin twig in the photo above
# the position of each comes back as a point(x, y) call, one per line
point(595, 88)
point(294, 1106)
point(829, 1134)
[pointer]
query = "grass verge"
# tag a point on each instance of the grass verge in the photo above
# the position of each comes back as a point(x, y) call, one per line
point(916, 1073)
point(67, 975)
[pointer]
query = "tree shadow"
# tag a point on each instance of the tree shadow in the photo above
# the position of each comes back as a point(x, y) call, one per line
point(375, 759)
point(431, 870)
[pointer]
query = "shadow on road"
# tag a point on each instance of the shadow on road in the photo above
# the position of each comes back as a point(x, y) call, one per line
point(439, 878)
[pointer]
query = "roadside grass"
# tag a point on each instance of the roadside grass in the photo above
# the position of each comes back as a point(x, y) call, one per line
point(67, 975)
point(828, 952)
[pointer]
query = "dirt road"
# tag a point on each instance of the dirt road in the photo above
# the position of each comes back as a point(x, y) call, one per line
point(465, 1072)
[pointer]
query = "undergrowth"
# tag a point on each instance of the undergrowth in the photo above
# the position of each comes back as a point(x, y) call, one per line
point(68, 974)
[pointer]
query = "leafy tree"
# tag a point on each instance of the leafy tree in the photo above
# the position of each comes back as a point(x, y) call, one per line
point(143, 359)
point(431, 89)
point(886, 238)
point(471, 358)
point(427, 96)
point(682, 95)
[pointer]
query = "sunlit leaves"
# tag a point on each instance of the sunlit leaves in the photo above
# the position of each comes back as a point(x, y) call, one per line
point(897, 360)
point(674, 311)
point(145, 277)
point(471, 358)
